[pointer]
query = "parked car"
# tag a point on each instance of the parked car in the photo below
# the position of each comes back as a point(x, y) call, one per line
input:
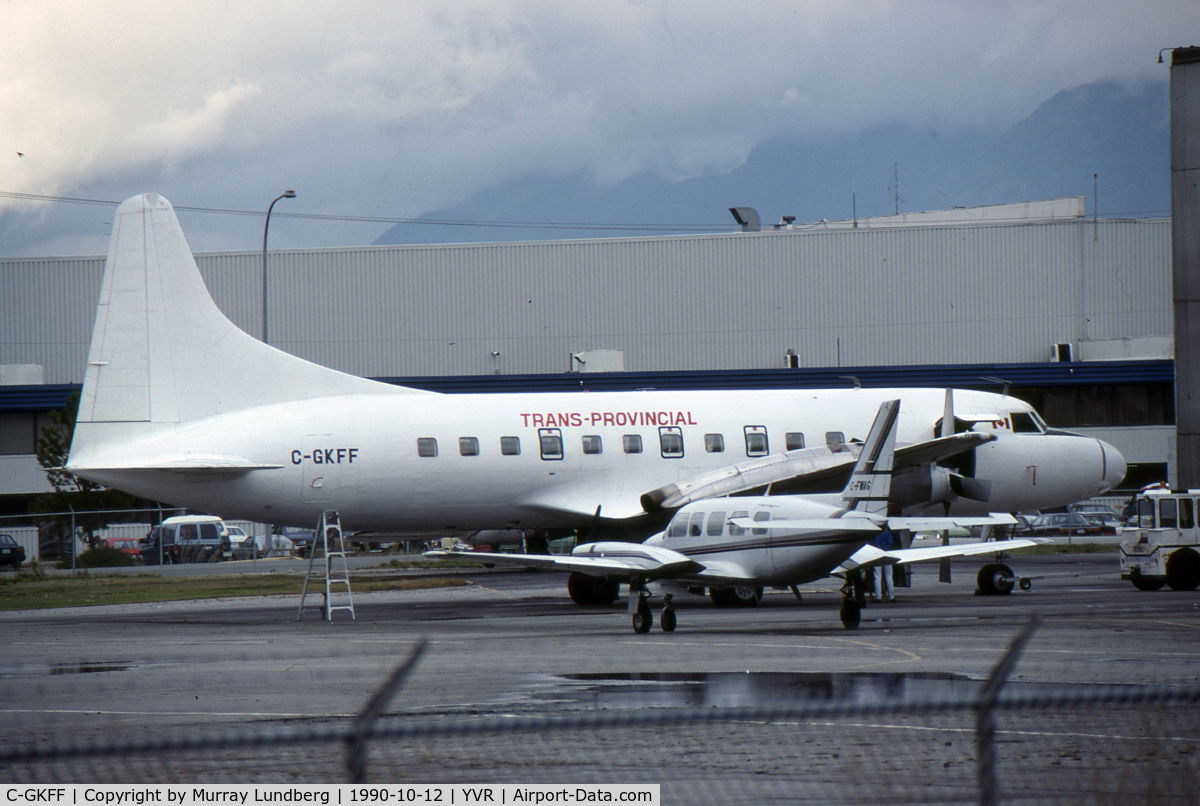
point(1063, 523)
point(301, 538)
point(12, 553)
point(126, 545)
point(1106, 516)
point(186, 539)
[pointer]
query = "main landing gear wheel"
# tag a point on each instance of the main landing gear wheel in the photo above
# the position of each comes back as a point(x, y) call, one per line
point(851, 614)
point(590, 591)
point(996, 579)
point(741, 596)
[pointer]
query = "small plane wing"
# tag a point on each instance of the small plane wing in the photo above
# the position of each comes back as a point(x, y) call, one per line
point(606, 559)
point(869, 556)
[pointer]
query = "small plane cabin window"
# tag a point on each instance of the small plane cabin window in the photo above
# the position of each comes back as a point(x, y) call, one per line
point(696, 525)
point(716, 524)
point(734, 529)
point(714, 443)
point(678, 527)
point(760, 516)
point(1023, 423)
point(550, 440)
point(670, 440)
point(468, 446)
point(793, 440)
point(1168, 514)
point(632, 443)
point(756, 440)
point(835, 440)
point(426, 446)
point(510, 446)
point(592, 444)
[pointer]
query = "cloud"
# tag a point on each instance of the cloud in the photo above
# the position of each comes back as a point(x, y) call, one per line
point(395, 108)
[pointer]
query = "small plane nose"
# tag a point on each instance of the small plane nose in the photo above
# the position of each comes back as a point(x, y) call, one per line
point(1113, 467)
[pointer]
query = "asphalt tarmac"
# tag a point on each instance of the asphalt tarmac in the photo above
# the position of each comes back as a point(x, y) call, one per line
point(510, 645)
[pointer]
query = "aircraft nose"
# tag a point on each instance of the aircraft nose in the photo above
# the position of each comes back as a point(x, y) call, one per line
point(1113, 464)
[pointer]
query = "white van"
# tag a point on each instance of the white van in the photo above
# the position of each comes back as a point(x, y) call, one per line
point(186, 539)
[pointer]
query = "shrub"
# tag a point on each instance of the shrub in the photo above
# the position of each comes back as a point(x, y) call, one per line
point(103, 557)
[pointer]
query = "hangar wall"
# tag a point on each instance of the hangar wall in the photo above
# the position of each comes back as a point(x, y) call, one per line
point(929, 295)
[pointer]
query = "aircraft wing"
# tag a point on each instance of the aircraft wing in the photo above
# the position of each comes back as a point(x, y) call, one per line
point(607, 559)
point(801, 471)
point(869, 556)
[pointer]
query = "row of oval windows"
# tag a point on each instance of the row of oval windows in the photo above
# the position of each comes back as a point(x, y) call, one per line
point(670, 443)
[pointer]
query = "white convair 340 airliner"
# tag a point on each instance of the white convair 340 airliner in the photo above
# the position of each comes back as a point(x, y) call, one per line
point(181, 406)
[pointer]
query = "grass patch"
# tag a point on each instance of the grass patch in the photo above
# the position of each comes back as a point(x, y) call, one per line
point(30, 591)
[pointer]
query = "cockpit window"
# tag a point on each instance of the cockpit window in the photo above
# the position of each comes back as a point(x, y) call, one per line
point(1024, 423)
point(678, 527)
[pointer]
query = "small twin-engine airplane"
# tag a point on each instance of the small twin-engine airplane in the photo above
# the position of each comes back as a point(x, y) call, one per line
point(780, 540)
point(180, 405)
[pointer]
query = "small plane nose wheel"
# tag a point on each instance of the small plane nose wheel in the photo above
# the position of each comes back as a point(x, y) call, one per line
point(852, 597)
point(667, 619)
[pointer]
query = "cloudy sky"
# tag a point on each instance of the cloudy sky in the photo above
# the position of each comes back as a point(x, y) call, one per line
point(393, 108)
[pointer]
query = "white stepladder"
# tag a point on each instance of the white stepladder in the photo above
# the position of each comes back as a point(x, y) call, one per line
point(328, 546)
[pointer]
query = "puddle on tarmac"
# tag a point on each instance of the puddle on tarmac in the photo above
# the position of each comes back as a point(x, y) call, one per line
point(89, 668)
point(752, 689)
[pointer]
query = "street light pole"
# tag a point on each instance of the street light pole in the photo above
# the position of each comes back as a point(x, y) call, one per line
point(287, 194)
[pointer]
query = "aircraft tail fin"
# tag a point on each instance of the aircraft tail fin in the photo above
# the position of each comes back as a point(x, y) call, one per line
point(163, 353)
point(871, 480)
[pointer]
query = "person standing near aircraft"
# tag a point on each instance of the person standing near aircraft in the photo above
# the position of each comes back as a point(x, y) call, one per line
point(882, 574)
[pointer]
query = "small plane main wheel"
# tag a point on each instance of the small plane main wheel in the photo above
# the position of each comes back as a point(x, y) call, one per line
point(851, 614)
point(667, 620)
point(995, 579)
point(642, 618)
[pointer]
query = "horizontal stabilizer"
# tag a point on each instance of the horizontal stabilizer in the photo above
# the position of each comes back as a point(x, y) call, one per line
point(869, 556)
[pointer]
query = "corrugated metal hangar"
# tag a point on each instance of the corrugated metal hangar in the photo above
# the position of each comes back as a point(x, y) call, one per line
point(1075, 313)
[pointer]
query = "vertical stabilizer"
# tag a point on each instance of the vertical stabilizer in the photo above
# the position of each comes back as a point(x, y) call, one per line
point(871, 480)
point(163, 353)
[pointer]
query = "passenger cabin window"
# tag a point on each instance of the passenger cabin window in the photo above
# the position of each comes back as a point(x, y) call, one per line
point(835, 440)
point(468, 446)
point(716, 524)
point(734, 529)
point(760, 516)
point(426, 446)
point(551, 443)
point(1023, 423)
point(670, 441)
point(794, 440)
point(592, 444)
point(632, 443)
point(714, 443)
point(696, 526)
point(510, 446)
point(756, 440)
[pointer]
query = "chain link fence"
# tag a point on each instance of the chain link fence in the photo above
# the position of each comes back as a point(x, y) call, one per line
point(1096, 744)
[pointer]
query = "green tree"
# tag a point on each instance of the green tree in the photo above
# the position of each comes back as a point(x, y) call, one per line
point(71, 493)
